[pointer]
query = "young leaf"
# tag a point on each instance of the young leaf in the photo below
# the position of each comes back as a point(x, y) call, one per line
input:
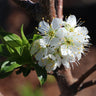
point(41, 73)
point(36, 37)
point(8, 66)
point(11, 40)
point(24, 39)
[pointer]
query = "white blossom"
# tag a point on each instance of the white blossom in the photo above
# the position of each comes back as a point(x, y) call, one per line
point(50, 30)
point(62, 42)
point(50, 62)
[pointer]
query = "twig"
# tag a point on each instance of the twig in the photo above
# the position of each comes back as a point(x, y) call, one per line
point(60, 9)
point(87, 84)
point(84, 76)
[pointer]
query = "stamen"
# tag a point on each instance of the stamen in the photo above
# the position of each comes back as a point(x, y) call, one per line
point(48, 21)
point(36, 28)
point(42, 18)
point(78, 20)
point(37, 32)
point(39, 25)
point(53, 17)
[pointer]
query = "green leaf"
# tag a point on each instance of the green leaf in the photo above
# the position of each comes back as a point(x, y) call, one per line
point(11, 40)
point(36, 37)
point(4, 51)
point(24, 39)
point(41, 73)
point(24, 58)
point(8, 66)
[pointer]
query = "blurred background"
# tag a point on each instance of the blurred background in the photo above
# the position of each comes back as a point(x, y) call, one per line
point(12, 17)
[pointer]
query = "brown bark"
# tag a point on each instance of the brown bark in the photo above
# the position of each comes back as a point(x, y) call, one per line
point(65, 82)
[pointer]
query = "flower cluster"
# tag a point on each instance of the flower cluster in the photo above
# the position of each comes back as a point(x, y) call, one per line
point(62, 42)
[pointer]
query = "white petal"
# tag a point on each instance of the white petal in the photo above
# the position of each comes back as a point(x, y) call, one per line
point(61, 32)
point(44, 41)
point(71, 20)
point(65, 51)
point(58, 61)
point(81, 30)
point(43, 26)
point(35, 47)
point(54, 42)
point(40, 54)
point(78, 56)
point(56, 23)
point(65, 63)
point(52, 57)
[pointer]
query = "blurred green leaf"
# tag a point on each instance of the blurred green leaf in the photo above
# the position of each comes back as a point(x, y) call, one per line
point(41, 73)
point(27, 90)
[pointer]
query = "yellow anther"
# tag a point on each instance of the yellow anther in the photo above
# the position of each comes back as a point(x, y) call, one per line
point(83, 47)
point(72, 55)
point(64, 39)
point(36, 28)
point(42, 18)
point(68, 34)
point(78, 33)
point(76, 38)
point(78, 48)
point(51, 25)
point(45, 32)
point(53, 17)
point(73, 44)
point(81, 33)
point(74, 52)
point(39, 25)
point(79, 52)
point(47, 20)
point(37, 32)
point(60, 24)
point(71, 40)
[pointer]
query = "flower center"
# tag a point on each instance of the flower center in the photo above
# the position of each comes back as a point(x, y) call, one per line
point(51, 33)
point(69, 28)
point(68, 41)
